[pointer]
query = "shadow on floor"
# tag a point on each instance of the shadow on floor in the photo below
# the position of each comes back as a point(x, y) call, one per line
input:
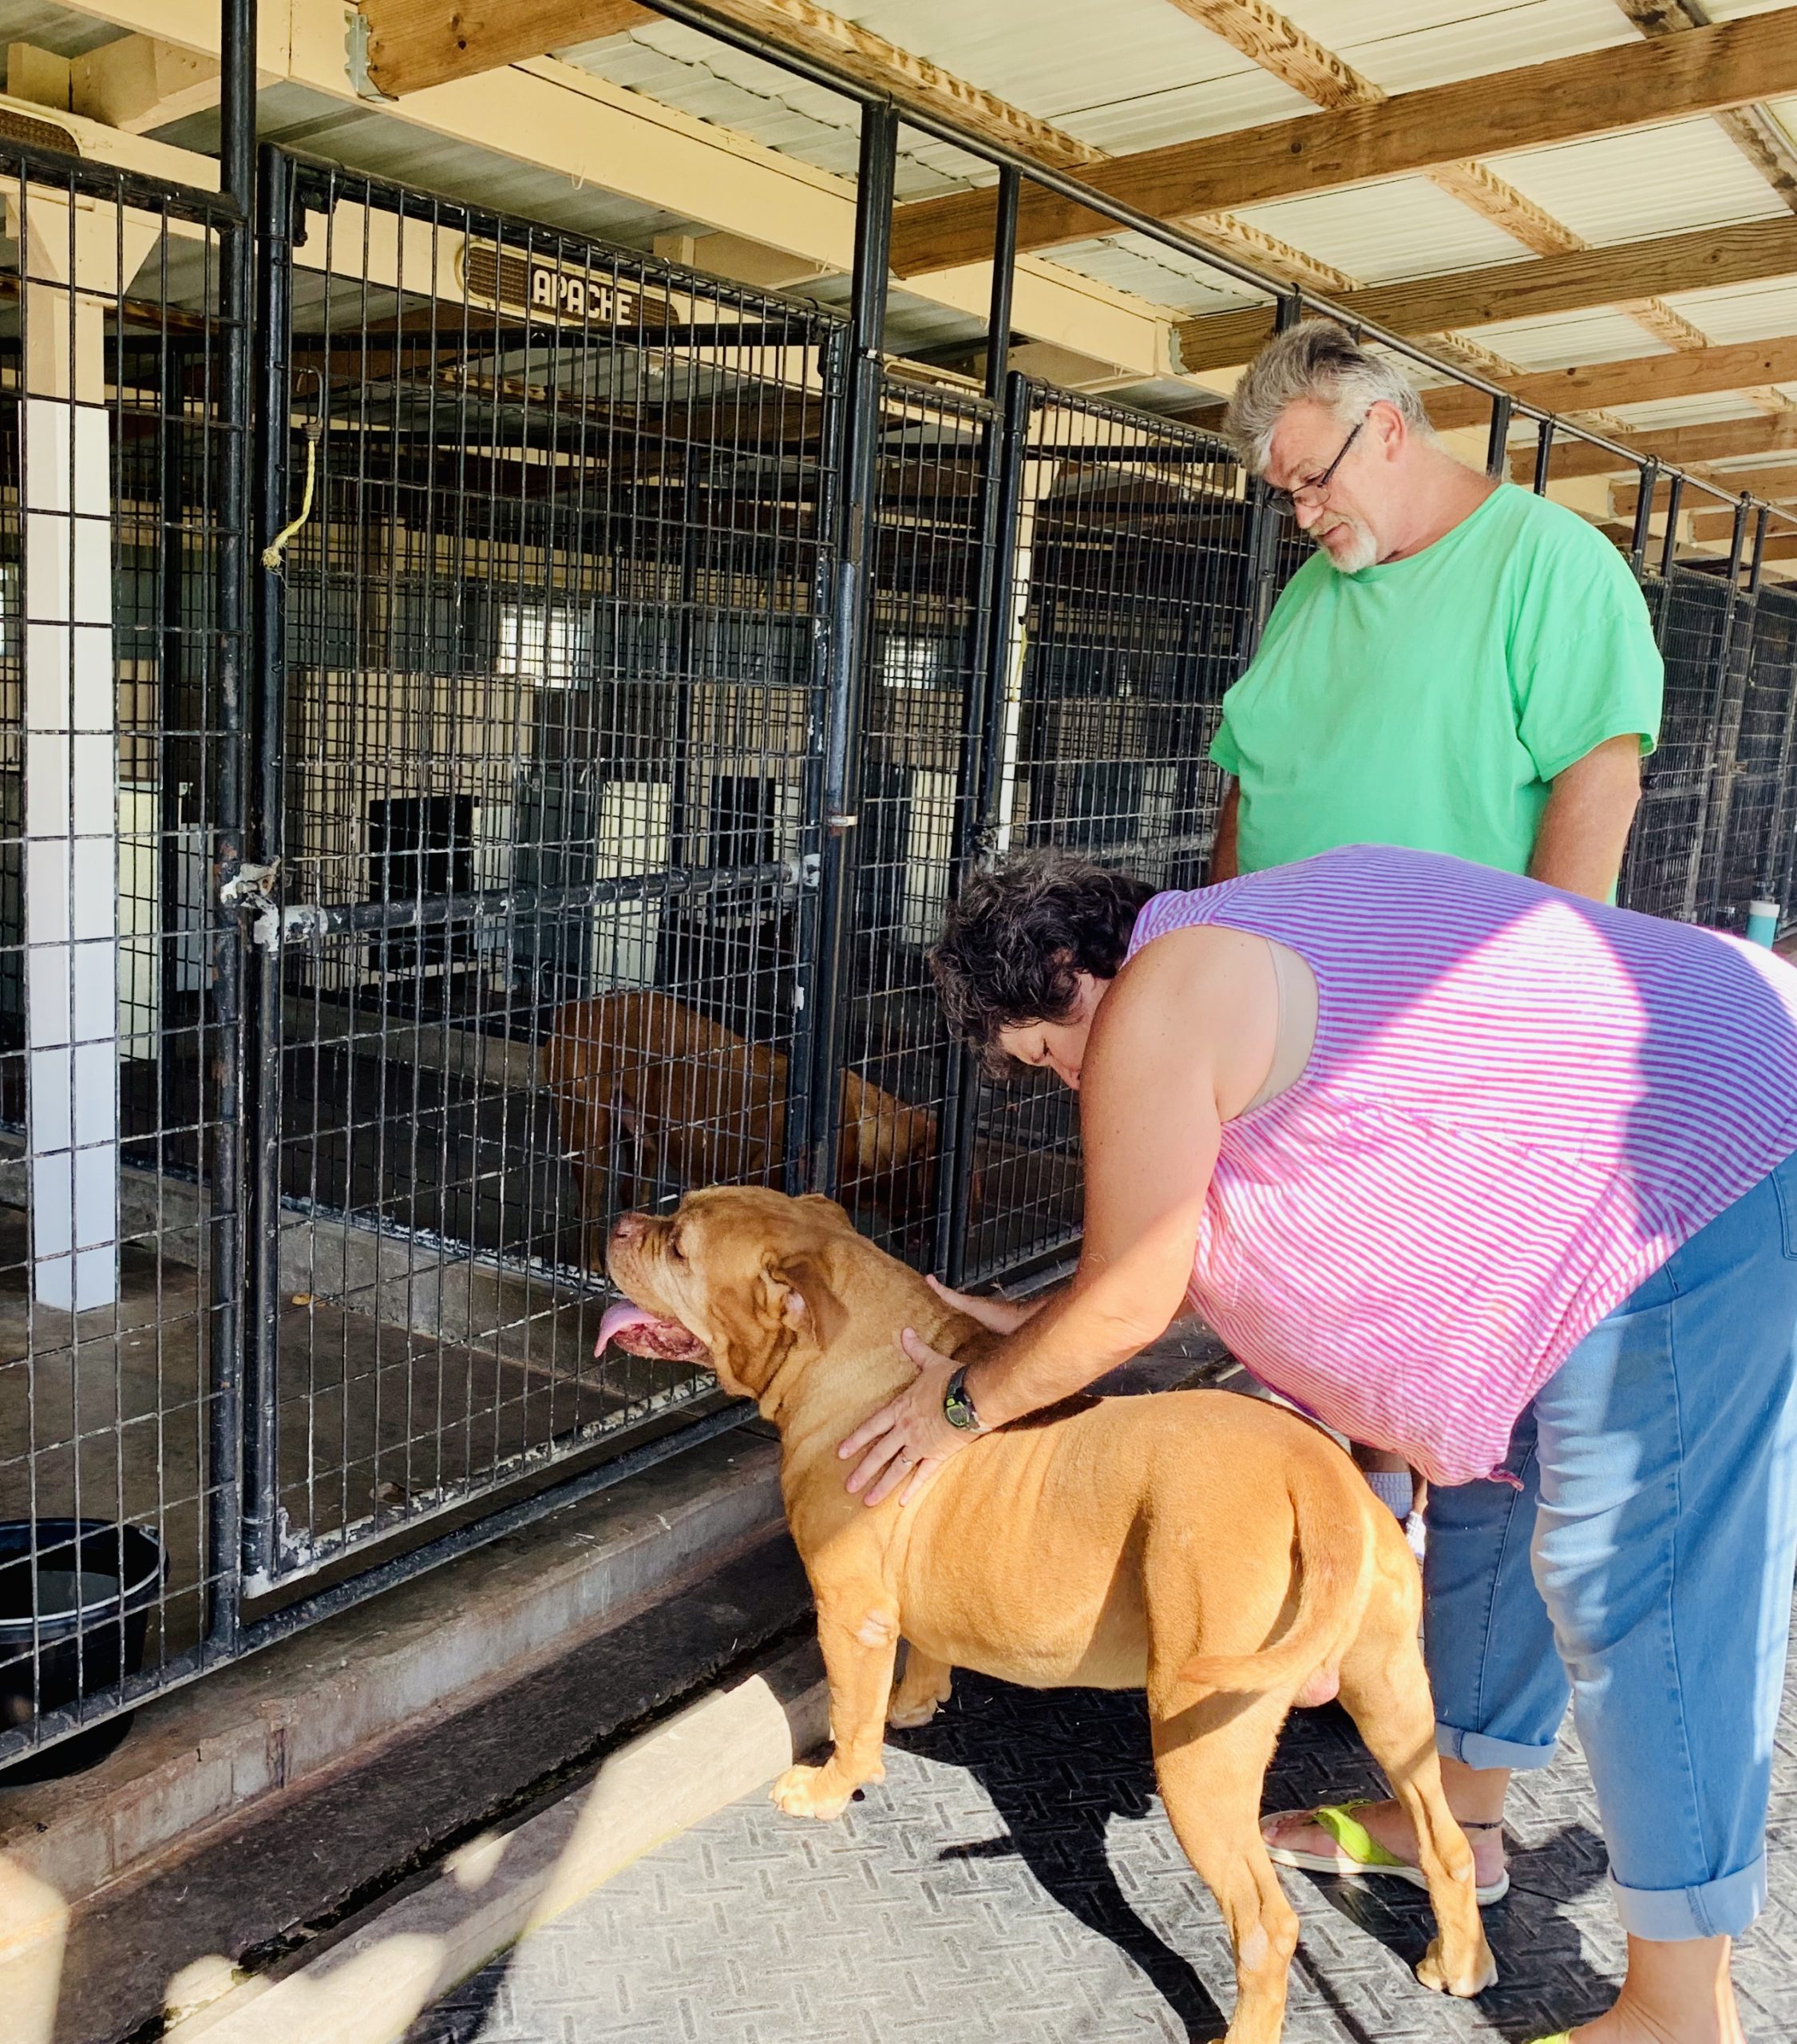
point(1060, 1766)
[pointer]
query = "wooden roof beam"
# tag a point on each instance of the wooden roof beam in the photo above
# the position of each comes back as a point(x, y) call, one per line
point(411, 47)
point(546, 115)
point(1741, 254)
point(1751, 128)
point(1717, 524)
point(1595, 93)
point(1259, 30)
point(1636, 380)
point(1298, 59)
point(414, 44)
point(140, 82)
point(135, 84)
point(1683, 447)
point(1776, 482)
point(803, 27)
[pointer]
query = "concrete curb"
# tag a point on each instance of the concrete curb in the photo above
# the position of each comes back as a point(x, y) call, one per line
point(326, 1698)
point(369, 1985)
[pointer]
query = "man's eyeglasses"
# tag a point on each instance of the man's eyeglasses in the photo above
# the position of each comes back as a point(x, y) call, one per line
point(1317, 488)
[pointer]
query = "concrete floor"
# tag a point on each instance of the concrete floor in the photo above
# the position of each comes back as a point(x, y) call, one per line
point(1014, 1879)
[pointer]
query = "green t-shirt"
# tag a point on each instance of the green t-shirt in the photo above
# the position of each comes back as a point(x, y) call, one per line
point(1429, 702)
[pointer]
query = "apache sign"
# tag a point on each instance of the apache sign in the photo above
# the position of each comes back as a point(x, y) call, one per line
point(543, 288)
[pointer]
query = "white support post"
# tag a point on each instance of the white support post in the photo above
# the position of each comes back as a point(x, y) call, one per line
point(1040, 478)
point(74, 256)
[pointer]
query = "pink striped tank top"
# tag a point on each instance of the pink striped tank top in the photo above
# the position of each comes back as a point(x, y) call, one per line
point(1518, 1105)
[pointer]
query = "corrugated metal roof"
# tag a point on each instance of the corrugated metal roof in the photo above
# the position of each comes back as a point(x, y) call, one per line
point(363, 139)
point(1187, 111)
point(1405, 44)
point(679, 67)
point(1600, 335)
point(1148, 269)
point(1148, 74)
point(1150, 82)
point(1742, 312)
point(1153, 75)
point(1664, 179)
point(1137, 74)
point(1403, 226)
point(1731, 11)
point(1133, 75)
point(53, 28)
point(1684, 411)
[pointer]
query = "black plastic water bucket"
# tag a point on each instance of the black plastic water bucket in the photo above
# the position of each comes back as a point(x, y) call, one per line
point(75, 1600)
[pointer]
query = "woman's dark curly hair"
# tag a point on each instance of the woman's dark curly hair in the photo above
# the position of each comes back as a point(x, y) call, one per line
point(1018, 934)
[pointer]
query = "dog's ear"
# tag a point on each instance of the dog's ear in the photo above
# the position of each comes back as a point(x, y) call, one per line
point(824, 1208)
point(789, 1296)
point(802, 1291)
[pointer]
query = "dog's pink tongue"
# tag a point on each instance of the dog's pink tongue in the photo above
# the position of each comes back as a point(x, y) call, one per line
point(624, 1314)
point(641, 1333)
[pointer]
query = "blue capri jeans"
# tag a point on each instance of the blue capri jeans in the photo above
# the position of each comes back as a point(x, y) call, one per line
point(1645, 1569)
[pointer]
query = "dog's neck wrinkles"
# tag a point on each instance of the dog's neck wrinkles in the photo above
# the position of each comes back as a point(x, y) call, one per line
point(815, 1403)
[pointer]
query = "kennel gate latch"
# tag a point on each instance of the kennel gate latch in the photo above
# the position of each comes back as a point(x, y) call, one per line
point(251, 888)
point(274, 924)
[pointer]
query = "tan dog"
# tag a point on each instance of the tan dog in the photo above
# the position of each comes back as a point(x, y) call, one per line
point(1210, 1548)
point(705, 1105)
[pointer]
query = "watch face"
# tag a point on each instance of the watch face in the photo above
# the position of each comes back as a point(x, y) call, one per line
point(957, 1408)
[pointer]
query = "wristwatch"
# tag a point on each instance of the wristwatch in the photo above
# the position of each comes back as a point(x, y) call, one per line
point(957, 1408)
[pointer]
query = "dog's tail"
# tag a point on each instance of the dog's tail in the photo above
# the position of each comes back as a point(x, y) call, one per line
point(1331, 1589)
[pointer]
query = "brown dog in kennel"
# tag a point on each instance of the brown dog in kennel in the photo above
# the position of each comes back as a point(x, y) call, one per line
point(700, 1105)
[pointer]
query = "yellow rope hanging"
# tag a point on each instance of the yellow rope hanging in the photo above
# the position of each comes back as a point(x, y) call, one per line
point(276, 547)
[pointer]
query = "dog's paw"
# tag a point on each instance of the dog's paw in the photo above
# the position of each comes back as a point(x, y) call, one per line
point(809, 1792)
point(919, 1696)
point(1472, 1977)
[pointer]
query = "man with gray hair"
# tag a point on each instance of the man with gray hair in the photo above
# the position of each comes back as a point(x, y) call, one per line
point(1462, 666)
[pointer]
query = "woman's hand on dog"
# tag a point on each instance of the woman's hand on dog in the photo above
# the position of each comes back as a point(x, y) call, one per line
point(908, 1441)
point(999, 1316)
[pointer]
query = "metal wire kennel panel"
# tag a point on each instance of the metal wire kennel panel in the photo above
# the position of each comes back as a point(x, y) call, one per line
point(546, 720)
point(1756, 841)
point(118, 1058)
point(925, 659)
point(1663, 871)
point(1127, 607)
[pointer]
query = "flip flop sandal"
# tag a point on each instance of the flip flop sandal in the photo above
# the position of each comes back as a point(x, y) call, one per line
point(1359, 1853)
point(1559, 2037)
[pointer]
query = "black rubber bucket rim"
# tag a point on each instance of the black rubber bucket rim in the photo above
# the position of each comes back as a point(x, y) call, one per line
point(46, 1536)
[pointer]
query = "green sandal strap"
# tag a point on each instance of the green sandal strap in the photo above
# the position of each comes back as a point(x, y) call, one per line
point(1359, 1843)
point(1559, 2037)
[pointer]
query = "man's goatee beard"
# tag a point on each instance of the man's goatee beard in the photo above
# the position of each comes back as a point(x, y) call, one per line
point(1362, 553)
